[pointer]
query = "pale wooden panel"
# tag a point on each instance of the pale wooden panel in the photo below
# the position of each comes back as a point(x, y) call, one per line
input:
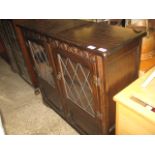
point(130, 122)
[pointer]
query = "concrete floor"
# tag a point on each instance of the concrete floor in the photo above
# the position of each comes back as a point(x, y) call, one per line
point(23, 112)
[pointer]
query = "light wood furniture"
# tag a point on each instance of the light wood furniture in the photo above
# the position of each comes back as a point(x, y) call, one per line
point(148, 42)
point(134, 107)
point(148, 52)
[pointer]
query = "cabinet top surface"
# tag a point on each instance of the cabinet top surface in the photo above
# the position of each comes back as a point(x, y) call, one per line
point(49, 26)
point(100, 35)
point(103, 37)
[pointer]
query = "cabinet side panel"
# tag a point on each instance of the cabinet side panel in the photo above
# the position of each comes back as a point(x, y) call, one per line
point(121, 69)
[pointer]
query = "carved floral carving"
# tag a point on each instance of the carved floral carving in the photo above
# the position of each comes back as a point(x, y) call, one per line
point(72, 49)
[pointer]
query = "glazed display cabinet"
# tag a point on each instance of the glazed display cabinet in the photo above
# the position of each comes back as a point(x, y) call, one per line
point(13, 50)
point(38, 47)
point(80, 69)
point(26, 29)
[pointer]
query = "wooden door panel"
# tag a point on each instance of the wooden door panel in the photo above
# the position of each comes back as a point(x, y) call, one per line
point(77, 81)
point(82, 121)
point(45, 72)
point(51, 95)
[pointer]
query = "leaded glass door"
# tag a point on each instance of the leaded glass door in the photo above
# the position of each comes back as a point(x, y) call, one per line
point(76, 76)
point(45, 72)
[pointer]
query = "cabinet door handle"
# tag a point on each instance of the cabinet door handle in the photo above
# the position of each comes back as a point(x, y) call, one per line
point(59, 76)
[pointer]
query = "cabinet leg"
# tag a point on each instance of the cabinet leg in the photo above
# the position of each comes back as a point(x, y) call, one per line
point(37, 91)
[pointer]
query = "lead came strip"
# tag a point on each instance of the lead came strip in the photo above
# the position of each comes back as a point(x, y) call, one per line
point(76, 88)
point(44, 70)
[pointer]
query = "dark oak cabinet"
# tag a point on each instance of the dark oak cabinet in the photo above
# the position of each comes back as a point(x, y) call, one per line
point(13, 50)
point(80, 67)
point(27, 29)
point(6, 40)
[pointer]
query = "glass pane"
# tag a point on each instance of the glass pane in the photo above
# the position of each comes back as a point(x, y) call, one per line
point(77, 83)
point(42, 66)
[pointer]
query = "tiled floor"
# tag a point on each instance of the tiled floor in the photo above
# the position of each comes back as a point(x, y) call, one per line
point(23, 112)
